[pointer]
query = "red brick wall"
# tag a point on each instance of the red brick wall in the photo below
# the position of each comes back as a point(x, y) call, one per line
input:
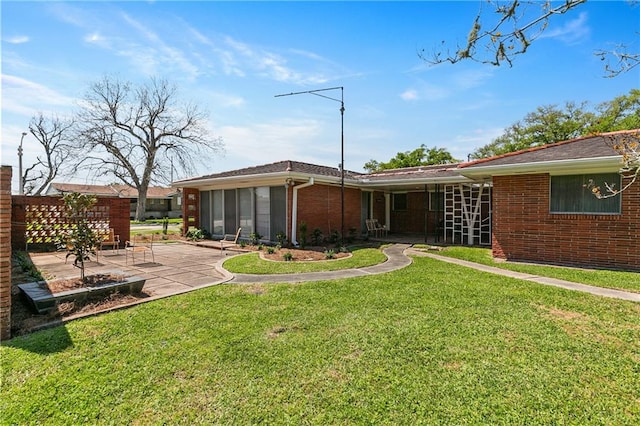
point(524, 230)
point(5, 252)
point(320, 206)
point(118, 215)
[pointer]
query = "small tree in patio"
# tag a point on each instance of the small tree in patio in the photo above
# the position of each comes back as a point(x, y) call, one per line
point(80, 240)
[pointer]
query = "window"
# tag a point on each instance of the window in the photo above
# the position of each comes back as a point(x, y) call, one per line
point(399, 202)
point(570, 194)
point(436, 201)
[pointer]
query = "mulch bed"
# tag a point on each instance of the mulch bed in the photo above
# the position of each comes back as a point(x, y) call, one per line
point(24, 320)
point(299, 255)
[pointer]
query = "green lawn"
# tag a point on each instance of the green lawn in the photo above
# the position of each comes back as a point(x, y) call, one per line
point(629, 281)
point(252, 263)
point(433, 343)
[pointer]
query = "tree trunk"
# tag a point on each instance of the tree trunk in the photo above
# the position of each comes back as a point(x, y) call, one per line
point(141, 207)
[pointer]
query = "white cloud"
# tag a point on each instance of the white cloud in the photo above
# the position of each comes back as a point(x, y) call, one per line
point(469, 79)
point(307, 140)
point(95, 38)
point(25, 97)
point(409, 95)
point(17, 39)
point(574, 31)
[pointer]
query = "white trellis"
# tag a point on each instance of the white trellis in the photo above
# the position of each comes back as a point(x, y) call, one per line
point(467, 213)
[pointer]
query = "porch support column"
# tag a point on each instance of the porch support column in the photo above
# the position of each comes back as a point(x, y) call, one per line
point(294, 210)
point(387, 210)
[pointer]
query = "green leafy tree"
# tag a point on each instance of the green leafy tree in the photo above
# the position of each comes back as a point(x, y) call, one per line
point(549, 124)
point(421, 156)
point(79, 239)
point(621, 113)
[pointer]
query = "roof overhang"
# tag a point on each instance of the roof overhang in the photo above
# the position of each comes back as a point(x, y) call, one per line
point(400, 184)
point(554, 167)
point(267, 179)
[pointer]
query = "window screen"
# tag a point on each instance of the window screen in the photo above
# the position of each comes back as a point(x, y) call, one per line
point(570, 194)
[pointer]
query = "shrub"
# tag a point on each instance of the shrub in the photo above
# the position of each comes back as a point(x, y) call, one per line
point(316, 237)
point(282, 238)
point(303, 234)
point(329, 254)
point(195, 234)
point(271, 250)
point(334, 237)
point(287, 256)
point(254, 238)
point(353, 234)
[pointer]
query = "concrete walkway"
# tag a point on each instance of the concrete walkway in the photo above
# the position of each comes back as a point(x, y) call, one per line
point(396, 259)
point(598, 291)
point(182, 267)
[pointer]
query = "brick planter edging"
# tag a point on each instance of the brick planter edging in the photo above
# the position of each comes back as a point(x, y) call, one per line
point(42, 300)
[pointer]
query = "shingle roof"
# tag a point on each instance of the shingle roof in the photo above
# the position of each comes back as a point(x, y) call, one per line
point(419, 172)
point(574, 149)
point(100, 190)
point(286, 166)
point(122, 191)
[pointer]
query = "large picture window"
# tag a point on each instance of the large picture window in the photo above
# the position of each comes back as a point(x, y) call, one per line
point(570, 194)
point(400, 202)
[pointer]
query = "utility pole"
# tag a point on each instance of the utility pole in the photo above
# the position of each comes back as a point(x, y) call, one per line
point(341, 100)
point(20, 177)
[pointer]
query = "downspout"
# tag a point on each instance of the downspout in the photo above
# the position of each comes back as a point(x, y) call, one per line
point(294, 212)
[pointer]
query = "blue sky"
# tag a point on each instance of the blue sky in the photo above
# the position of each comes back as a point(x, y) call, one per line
point(232, 58)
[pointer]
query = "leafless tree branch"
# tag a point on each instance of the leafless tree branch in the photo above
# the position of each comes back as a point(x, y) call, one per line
point(132, 132)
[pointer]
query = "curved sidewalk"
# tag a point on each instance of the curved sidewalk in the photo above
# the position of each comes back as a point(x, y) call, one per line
point(598, 291)
point(396, 259)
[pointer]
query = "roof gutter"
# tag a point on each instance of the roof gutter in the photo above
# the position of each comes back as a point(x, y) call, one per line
point(578, 165)
point(294, 213)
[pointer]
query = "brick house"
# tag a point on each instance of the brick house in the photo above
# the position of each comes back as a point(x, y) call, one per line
point(161, 202)
point(436, 202)
point(529, 205)
point(543, 210)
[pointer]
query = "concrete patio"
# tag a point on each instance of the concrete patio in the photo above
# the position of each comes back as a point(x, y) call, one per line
point(175, 268)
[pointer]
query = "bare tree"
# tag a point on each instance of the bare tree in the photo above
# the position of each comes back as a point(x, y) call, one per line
point(513, 29)
point(137, 134)
point(53, 134)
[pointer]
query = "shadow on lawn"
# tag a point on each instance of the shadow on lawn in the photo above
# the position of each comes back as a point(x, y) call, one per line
point(44, 342)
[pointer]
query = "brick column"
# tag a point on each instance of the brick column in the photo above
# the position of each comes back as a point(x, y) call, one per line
point(5, 252)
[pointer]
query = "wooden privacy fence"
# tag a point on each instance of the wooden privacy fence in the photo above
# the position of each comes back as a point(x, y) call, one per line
point(37, 221)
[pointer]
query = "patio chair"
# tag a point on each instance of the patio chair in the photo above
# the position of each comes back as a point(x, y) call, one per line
point(382, 229)
point(230, 240)
point(139, 245)
point(374, 227)
point(370, 227)
point(111, 239)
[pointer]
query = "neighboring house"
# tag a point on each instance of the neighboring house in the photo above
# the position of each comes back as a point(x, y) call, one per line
point(544, 211)
point(530, 205)
point(161, 202)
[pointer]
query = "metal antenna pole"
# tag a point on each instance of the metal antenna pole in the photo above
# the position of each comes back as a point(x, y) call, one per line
point(341, 100)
